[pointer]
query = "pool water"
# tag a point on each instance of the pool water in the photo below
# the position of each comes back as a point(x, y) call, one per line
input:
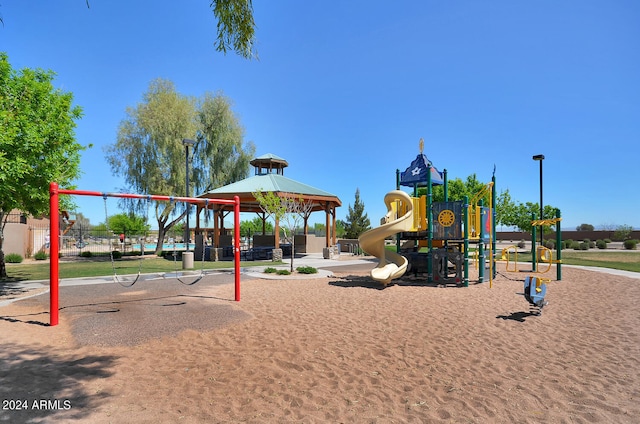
point(166, 246)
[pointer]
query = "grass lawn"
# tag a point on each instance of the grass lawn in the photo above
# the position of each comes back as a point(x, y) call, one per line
point(96, 267)
point(625, 260)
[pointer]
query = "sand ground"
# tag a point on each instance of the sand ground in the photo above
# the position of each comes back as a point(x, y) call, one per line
point(337, 349)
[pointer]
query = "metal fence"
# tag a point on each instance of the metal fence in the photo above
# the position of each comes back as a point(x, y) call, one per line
point(77, 241)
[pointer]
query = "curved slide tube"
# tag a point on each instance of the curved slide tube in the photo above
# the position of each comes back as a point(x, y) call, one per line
point(391, 265)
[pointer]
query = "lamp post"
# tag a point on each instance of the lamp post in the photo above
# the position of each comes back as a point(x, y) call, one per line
point(186, 142)
point(540, 158)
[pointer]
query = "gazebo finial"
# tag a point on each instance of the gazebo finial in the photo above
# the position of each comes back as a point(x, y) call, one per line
point(421, 145)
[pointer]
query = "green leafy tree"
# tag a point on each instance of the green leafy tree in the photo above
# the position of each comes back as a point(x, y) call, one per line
point(291, 211)
point(176, 232)
point(458, 189)
point(585, 227)
point(340, 228)
point(523, 213)
point(99, 230)
point(220, 156)
point(623, 232)
point(249, 228)
point(37, 143)
point(357, 221)
point(149, 153)
point(236, 27)
point(505, 209)
point(319, 228)
point(128, 224)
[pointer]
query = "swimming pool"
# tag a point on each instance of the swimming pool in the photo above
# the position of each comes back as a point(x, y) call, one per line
point(149, 247)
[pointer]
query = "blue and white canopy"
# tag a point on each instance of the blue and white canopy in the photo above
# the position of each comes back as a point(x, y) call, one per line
point(416, 173)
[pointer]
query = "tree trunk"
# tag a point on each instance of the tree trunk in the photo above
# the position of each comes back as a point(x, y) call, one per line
point(3, 266)
point(293, 249)
point(161, 234)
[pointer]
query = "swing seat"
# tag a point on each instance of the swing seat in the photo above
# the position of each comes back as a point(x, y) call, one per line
point(535, 289)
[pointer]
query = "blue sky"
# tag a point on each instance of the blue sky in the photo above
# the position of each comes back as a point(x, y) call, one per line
point(344, 90)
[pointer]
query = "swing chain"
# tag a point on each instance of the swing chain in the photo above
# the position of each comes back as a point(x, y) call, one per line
point(175, 256)
point(113, 264)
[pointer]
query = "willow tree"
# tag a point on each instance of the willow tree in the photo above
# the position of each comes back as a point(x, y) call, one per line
point(149, 153)
point(235, 29)
point(37, 142)
point(220, 156)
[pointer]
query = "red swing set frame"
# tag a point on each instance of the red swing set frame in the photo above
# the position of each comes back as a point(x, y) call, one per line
point(54, 218)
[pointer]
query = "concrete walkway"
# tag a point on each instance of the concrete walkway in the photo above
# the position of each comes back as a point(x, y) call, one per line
point(315, 260)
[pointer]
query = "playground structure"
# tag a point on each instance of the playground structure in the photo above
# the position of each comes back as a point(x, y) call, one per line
point(535, 287)
point(54, 214)
point(392, 265)
point(540, 255)
point(446, 229)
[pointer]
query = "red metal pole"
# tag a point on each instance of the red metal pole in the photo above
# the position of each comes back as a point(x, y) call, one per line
point(144, 196)
point(236, 235)
point(54, 239)
point(54, 235)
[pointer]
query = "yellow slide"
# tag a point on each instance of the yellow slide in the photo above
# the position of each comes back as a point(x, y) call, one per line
point(391, 264)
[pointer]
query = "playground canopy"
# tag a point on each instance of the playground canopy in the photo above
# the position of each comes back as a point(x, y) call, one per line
point(416, 173)
point(269, 177)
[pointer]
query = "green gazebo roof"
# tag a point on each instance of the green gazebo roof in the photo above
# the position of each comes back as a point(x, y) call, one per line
point(272, 182)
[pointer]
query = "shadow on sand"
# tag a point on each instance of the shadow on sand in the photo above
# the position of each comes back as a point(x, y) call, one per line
point(367, 282)
point(50, 386)
point(519, 316)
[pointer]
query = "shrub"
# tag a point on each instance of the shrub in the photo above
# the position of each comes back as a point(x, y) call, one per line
point(87, 254)
point(306, 270)
point(574, 245)
point(623, 232)
point(270, 270)
point(40, 256)
point(116, 254)
point(13, 258)
point(630, 244)
point(550, 244)
point(521, 244)
point(283, 272)
point(607, 240)
point(601, 244)
point(583, 245)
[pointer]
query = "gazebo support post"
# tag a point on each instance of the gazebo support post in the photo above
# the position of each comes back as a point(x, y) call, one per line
point(327, 226)
point(216, 232)
point(333, 227)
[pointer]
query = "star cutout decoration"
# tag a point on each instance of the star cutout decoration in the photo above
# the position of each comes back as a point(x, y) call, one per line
point(415, 171)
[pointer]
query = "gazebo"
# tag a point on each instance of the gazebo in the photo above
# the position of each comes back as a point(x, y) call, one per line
point(269, 177)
